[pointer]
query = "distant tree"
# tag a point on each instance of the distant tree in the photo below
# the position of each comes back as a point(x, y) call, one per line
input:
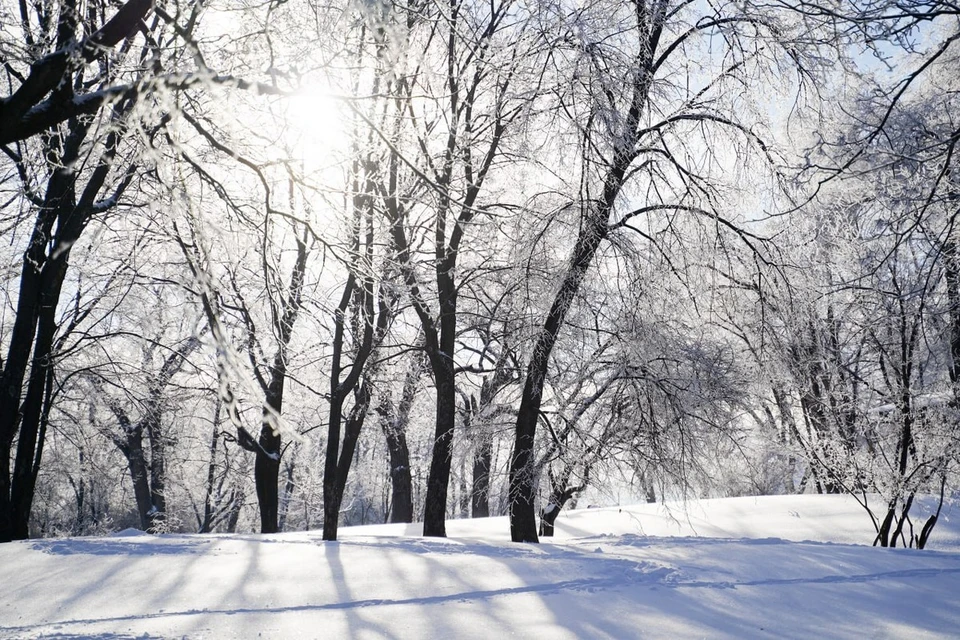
point(148, 464)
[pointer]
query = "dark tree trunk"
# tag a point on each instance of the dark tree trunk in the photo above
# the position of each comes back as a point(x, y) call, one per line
point(137, 463)
point(952, 275)
point(480, 491)
point(333, 494)
point(337, 463)
point(234, 514)
point(560, 493)
point(41, 279)
point(593, 229)
point(523, 480)
point(548, 517)
point(351, 435)
point(401, 483)
point(205, 524)
point(31, 435)
point(266, 468)
point(452, 218)
point(504, 374)
point(266, 475)
point(42, 274)
point(394, 423)
point(158, 471)
point(289, 486)
point(438, 481)
point(331, 502)
point(35, 326)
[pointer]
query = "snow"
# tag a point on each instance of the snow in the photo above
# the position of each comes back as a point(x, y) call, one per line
point(785, 567)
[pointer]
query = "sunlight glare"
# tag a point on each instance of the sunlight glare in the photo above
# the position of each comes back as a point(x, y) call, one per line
point(317, 129)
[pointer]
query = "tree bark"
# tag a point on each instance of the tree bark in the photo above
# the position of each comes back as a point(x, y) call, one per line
point(394, 423)
point(45, 264)
point(523, 480)
point(480, 491)
point(438, 481)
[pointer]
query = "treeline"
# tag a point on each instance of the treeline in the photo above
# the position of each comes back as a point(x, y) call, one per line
point(290, 265)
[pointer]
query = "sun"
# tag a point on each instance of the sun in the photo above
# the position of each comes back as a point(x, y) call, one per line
point(317, 125)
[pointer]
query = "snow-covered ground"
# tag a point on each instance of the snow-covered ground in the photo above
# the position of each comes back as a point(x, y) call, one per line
point(773, 567)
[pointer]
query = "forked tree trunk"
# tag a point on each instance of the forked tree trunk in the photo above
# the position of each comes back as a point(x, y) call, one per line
point(362, 299)
point(393, 422)
point(61, 220)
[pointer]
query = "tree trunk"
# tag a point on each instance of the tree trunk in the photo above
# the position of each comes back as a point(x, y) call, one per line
point(266, 475)
point(234, 516)
point(42, 273)
point(205, 525)
point(560, 493)
point(548, 517)
point(137, 463)
point(401, 494)
point(266, 469)
point(37, 278)
point(158, 470)
point(480, 491)
point(523, 480)
point(335, 477)
point(394, 423)
point(289, 486)
point(435, 505)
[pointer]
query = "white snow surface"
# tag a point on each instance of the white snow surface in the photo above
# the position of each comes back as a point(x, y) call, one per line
point(771, 567)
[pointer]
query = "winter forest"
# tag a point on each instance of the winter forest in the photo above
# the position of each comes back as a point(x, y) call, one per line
point(277, 265)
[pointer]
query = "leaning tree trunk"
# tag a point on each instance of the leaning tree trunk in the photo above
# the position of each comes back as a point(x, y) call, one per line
point(523, 472)
point(595, 226)
point(558, 498)
point(560, 493)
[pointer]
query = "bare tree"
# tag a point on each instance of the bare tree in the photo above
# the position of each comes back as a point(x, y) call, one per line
point(457, 121)
point(636, 118)
point(148, 464)
point(75, 116)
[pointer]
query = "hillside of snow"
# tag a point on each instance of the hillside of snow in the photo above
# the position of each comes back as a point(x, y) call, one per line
point(772, 567)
